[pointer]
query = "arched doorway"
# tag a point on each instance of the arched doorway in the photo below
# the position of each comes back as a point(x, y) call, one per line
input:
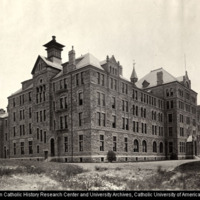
point(52, 143)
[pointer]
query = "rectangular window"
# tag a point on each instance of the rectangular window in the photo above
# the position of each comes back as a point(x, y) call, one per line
point(123, 89)
point(61, 103)
point(23, 126)
point(38, 133)
point(14, 131)
point(170, 118)
point(126, 144)
point(145, 128)
point(66, 144)
point(115, 84)
point(30, 113)
point(98, 98)
point(127, 124)
point(111, 83)
point(65, 83)
point(101, 142)
point(98, 78)
point(137, 127)
point(123, 123)
point(13, 102)
point(82, 78)
point(65, 102)
point(22, 148)
point(77, 79)
point(30, 147)
point(30, 128)
point(123, 105)
point(14, 148)
point(103, 99)
point(114, 143)
point(45, 137)
point(14, 116)
point(38, 149)
point(61, 122)
point(170, 132)
point(133, 126)
point(61, 84)
point(66, 124)
point(102, 79)
point(41, 136)
point(126, 106)
point(80, 119)
point(98, 119)
point(153, 132)
point(40, 116)
point(80, 142)
point(30, 96)
point(103, 119)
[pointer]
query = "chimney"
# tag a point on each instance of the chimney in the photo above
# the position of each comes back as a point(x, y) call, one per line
point(71, 65)
point(159, 78)
point(72, 56)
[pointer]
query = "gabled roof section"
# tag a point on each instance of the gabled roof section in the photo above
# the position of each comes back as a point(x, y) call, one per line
point(48, 63)
point(151, 78)
point(88, 59)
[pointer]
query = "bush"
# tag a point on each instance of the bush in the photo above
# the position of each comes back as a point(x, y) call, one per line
point(111, 156)
point(173, 156)
point(98, 168)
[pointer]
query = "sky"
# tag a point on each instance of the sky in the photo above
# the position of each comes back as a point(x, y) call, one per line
point(154, 33)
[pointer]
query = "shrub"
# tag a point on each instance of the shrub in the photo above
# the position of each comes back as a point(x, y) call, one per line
point(111, 156)
point(98, 168)
point(173, 156)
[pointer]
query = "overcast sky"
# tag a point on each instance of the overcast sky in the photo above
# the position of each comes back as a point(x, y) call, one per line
point(154, 33)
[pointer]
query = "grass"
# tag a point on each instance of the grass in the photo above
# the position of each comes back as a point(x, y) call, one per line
point(104, 177)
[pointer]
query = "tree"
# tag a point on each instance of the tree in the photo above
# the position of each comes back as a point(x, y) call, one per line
point(111, 156)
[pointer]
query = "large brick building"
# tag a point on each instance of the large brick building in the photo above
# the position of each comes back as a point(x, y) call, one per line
point(79, 110)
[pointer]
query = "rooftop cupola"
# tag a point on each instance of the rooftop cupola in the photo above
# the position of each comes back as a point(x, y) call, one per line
point(134, 77)
point(54, 49)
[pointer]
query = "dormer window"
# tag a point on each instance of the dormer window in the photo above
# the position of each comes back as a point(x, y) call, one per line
point(145, 84)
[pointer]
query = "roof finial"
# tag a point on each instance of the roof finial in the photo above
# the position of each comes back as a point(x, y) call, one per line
point(134, 63)
point(54, 37)
point(185, 62)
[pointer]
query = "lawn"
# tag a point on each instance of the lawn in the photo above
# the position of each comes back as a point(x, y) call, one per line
point(34, 175)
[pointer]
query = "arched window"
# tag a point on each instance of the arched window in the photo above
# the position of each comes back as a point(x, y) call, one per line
point(154, 147)
point(136, 146)
point(161, 147)
point(144, 146)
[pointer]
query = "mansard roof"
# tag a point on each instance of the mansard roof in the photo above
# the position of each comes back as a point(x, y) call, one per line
point(151, 78)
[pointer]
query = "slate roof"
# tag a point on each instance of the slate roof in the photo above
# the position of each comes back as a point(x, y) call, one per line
point(88, 59)
point(151, 78)
point(52, 64)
